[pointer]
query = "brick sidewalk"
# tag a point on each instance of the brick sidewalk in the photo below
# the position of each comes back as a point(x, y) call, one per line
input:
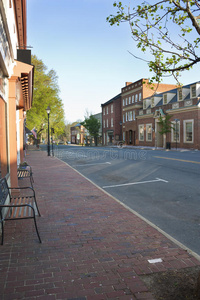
point(92, 247)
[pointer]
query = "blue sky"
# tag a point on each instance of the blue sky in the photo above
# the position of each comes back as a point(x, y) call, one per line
point(89, 56)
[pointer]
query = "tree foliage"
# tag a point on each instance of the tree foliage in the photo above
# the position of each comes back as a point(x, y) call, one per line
point(45, 93)
point(92, 125)
point(166, 124)
point(169, 29)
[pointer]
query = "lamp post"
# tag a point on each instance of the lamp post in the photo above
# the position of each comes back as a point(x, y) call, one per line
point(176, 120)
point(48, 145)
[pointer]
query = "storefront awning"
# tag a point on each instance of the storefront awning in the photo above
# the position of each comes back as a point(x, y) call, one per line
point(25, 73)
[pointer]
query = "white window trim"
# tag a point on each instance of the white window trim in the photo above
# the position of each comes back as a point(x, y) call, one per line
point(141, 126)
point(184, 131)
point(150, 124)
point(178, 94)
point(191, 91)
point(172, 132)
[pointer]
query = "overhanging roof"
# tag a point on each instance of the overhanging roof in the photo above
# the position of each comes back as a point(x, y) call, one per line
point(25, 73)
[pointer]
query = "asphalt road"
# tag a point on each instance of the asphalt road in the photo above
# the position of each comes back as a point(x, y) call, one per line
point(162, 186)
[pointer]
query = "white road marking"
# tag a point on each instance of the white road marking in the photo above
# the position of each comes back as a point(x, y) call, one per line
point(132, 183)
point(106, 163)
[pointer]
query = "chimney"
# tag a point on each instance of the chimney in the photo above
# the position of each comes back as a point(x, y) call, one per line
point(127, 83)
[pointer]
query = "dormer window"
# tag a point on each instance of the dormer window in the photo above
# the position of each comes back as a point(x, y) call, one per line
point(152, 102)
point(193, 91)
point(180, 94)
point(165, 99)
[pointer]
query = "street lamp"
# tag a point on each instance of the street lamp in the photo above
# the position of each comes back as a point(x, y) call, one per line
point(48, 145)
point(176, 120)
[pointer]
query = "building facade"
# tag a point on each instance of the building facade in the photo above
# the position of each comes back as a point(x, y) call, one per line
point(183, 107)
point(111, 121)
point(16, 86)
point(132, 96)
point(78, 134)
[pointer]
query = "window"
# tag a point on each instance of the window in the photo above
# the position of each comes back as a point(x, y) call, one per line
point(123, 102)
point(133, 115)
point(175, 133)
point(141, 132)
point(104, 111)
point(126, 116)
point(136, 97)
point(123, 118)
point(129, 100)
point(133, 99)
point(123, 136)
point(126, 101)
point(188, 131)
point(144, 104)
point(140, 96)
point(149, 132)
point(104, 123)
point(107, 122)
point(165, 99)
point(111, 108)
point(130, 116)
point(193, 91)
point(152, 102)
point(111, 122)
point(180, 94)
point(107, 110)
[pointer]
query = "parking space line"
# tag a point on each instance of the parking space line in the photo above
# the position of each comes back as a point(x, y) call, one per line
point(133, 183)
point(188, 161)
point(106, 163)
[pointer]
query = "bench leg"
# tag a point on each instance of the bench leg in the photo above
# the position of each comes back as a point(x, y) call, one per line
point(37, 229)
point(2, 232)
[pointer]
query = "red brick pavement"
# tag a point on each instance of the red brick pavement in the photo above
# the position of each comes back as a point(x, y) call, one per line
point(92, 247)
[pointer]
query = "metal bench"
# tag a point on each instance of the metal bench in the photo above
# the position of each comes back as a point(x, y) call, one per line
point(22, 206)
point(25, 171)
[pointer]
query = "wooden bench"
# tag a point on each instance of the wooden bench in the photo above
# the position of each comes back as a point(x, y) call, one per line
point(22, 206)
point(24, 171)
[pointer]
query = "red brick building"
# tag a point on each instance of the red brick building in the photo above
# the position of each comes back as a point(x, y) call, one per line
point(111, 121)
point(183, 105)
point(132, 96)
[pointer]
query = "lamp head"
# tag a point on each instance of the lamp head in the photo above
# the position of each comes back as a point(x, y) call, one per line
point(48, 109)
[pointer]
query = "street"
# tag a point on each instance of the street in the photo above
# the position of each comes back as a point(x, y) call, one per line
point(162, 186)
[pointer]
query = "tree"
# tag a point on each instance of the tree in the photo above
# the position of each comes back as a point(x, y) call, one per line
point(166, 125)
point(45, 93)
point(169, 29)
point(92, 125)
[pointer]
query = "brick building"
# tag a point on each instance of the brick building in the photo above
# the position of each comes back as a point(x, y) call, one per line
point(132, 96)
point(111, 121)
point(78, 134)
point(183, 105)
point(16, 86)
